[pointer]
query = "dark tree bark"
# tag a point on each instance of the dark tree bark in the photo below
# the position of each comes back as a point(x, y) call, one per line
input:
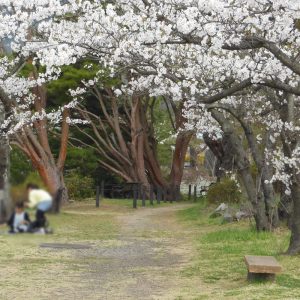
point(233, 145)
point(294, 246)
point(34, 142)
point(264, 173)
point(182, 142)
point(118, 138)
point(5, 205)
point(39, 153)
point(181, 145)
point(290, 141)
point(123, 135)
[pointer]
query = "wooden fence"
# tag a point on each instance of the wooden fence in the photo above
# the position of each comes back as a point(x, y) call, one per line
point(136, 191)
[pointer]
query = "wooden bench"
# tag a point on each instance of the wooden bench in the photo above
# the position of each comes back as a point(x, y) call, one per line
point(262, 267)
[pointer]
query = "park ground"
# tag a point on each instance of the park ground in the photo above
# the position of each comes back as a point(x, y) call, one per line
point(171, 251)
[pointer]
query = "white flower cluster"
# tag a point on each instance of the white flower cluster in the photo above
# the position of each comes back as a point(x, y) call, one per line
point(200, 52)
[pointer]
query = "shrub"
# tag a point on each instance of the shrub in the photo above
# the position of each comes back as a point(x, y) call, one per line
point(79, 187)
point(226, 190)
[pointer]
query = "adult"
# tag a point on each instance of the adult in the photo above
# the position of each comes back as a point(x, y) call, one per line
point(42, 201)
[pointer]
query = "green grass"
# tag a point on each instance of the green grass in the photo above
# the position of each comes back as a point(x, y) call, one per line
point(22, 260)
point(43, 273)
point(220, 249)
point(217, 268)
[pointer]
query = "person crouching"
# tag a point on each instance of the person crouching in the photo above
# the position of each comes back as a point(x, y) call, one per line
point(19, 221)
point(42, 201)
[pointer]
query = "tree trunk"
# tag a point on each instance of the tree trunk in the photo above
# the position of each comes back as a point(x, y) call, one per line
point(53, 179)
point(294, 247)
point(255, 197)
point(269, 196)
point(234, 146)
point(264, 171)
point(154, 174)
point(5, 204)
point(289, 142)
point(264, 175)
point(137, 142)
point(125, 138)
point(181, 145)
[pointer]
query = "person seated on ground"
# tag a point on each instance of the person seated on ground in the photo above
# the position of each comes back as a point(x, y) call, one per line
point(42, 201)
point(19, 221)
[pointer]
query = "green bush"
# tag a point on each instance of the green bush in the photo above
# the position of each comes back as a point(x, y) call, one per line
point(79, 187)
point(226, 191)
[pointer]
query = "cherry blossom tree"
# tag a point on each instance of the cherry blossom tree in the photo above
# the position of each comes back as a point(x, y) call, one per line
point(123, 133)
point(22, 103)
point(204, 51)
point(201, 52)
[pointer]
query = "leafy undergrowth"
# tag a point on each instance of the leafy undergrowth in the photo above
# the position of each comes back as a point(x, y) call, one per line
point(219, 258)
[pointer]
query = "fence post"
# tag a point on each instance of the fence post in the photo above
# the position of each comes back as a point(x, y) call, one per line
point(97, 196)
point(172, 193)
point(158, 194)
point(195, 193)
point(165, 193)
point(134, 204)
point(102, 188)
point(190, 191)
point(139, 195)
point(112, 192)
point(143, 195)
point(151, 194)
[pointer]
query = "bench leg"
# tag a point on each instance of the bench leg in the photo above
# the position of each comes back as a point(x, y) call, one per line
point(260, 276)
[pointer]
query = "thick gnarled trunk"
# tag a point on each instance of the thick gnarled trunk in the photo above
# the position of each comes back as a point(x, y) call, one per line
point(294, 246)
point(38, 151)
point(123, 135)
point(181, 145)
point(264, 189)
point(34, 142)
point(53, 178)
point(263, 177)
point(238, 156)
point(138, 142)
point(289, 142)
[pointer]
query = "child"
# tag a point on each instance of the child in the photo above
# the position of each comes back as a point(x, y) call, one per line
point(42, 201)
point(19, 220)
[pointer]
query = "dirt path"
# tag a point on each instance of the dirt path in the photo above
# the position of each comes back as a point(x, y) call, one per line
point(144, 262)
point(142, 258)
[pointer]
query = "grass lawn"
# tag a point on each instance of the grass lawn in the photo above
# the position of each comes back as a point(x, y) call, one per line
point(23, 262)
point(34, 272)
point(218, 259)
point(118, 234)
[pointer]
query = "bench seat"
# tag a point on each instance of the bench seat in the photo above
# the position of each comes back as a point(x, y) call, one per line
point(263, 267)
